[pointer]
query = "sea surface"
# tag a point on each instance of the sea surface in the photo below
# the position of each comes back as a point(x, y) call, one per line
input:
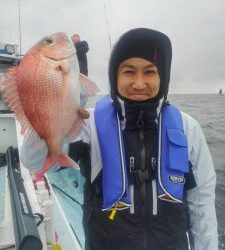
point(209, 111)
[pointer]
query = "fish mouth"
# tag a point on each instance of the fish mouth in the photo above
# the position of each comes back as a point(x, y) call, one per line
point(62, 58)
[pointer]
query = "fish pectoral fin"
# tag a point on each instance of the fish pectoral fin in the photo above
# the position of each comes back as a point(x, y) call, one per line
point(88, 87)
point(64, 67)
point(83, 113)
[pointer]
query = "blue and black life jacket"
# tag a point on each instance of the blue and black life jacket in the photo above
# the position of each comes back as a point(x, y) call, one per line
point(172, 156)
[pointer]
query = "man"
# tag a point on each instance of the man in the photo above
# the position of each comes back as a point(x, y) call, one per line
point(82, 49)
point(150, 180)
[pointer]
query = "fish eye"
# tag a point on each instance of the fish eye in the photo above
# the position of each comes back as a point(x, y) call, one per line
point(48, 41)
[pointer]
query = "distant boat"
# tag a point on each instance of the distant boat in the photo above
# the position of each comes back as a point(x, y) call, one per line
point(221, 92)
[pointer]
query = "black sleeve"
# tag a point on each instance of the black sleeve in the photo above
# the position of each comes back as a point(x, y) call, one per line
point(79, 152)
point(82, 48)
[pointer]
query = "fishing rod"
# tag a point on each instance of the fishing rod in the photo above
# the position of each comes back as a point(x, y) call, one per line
point(107, 24)
point(25, 229)
point(20, 36)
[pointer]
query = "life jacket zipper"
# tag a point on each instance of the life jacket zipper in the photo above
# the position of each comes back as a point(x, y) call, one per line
point(140, 124)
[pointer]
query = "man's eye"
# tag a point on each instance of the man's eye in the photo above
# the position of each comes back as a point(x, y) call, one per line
point(149, 72)
point(128, 72)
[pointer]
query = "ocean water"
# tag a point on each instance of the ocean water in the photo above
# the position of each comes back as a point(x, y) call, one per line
point(209, 111)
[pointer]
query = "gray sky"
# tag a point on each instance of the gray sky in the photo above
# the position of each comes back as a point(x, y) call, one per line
point(195, 27)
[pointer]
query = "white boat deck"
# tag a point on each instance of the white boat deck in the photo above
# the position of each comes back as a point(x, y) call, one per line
point(56, 227)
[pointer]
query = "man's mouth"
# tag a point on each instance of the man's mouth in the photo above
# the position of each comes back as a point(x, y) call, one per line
point(139, 96)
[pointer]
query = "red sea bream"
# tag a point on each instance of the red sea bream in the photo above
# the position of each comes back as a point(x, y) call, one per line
point(44, 93)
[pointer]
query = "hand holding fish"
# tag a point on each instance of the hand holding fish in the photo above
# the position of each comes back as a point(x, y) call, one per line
point(44, 93)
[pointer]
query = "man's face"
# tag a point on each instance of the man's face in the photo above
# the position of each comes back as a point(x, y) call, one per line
point(138, 79)
point(75, 38)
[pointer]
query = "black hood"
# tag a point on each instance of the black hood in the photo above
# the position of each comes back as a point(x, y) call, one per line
point(145, 43)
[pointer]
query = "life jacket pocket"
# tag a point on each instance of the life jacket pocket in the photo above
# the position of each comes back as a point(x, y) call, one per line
point(177, 151)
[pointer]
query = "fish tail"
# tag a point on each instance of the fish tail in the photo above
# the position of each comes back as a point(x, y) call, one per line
point(65, 161)
point(39, 176)
point(62, 160)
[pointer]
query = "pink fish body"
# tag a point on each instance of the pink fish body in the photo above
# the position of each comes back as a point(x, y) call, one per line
point(44, 93)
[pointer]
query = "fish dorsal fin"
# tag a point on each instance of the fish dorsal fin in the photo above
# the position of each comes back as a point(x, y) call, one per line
point(88, 87)
point(11, 96)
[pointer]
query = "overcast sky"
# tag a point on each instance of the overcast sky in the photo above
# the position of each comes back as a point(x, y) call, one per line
point(195, 27)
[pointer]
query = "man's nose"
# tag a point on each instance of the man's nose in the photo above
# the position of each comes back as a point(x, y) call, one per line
point(139, 82)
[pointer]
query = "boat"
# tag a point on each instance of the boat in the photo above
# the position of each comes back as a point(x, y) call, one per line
point(42, 216)
point(221, 92)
